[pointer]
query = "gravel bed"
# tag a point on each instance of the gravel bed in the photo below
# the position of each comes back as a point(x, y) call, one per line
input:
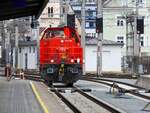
point(127, 103)
point(83, 104)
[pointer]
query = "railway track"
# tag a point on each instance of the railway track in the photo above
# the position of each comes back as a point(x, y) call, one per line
point(103, 81)
point(110, 83)
point(124, 83)
point(100, 103)
point(67, 102)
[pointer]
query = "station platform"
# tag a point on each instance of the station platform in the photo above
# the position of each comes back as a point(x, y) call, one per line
point(16, 96)
point(143, 81)
point(26, 96)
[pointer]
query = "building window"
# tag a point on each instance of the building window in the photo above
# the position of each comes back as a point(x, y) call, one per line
point(120, 22)
point(51, 9)
point(120, 39)
point(33, 49)
point(94, 14)
point(89, 1)
point(19, 50)
point(63, 10)
point(91, 24)
point(93, 35)
point(29, 49)
point(90, 35)
point(142, 41)
point(89, 13)
point(50, 12)
point(140, 1)
point(87, 24)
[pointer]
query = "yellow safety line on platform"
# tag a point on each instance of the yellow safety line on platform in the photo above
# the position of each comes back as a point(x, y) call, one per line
point(39, 98)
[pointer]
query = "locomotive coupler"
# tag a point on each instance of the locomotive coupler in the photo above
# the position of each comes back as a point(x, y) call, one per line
point(61, 72)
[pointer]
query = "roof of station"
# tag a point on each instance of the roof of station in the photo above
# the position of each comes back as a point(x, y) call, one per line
point(10, 9)
point(93, 41)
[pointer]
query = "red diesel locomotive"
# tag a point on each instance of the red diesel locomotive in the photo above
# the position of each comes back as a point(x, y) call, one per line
point(60, 55)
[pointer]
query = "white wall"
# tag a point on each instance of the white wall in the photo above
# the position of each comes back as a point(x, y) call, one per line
point(111, 58)
point(31, 56)
point(45, 20)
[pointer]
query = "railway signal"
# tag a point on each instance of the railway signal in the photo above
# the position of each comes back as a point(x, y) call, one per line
point(99, 25)
point(140, 26)
point(71, 20)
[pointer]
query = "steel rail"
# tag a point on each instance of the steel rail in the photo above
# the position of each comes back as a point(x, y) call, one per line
point(71, 106)
point(124, 83)
point(98, 102)
point(127, 91)
point(67, 102)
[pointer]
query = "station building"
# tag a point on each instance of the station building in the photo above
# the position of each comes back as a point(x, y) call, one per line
point(115, 26)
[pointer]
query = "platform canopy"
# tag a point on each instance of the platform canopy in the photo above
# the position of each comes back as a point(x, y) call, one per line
point(10, 9)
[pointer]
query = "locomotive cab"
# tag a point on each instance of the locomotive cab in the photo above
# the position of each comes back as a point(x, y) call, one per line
point(60, 55)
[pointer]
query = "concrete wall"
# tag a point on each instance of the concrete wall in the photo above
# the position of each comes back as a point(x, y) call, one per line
point(111, 58)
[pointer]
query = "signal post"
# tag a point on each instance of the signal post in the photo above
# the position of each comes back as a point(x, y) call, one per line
point(99, 31)
point(83, 33)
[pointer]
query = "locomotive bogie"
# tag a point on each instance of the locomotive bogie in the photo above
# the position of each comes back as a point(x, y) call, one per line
point(72, 73)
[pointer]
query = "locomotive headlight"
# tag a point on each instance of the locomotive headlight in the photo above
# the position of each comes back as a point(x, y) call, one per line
point(72, 60)
point(62, 41)
point(52, 61)
point(78, 60)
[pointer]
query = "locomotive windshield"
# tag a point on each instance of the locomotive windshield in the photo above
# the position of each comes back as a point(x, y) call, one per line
point(54, 33)
point(65, 32)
